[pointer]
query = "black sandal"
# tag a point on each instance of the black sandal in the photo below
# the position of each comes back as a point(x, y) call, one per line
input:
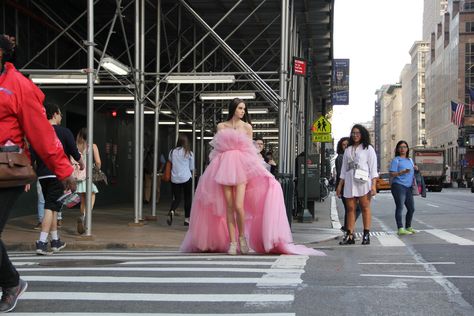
point(348, 239)
point(169, 220)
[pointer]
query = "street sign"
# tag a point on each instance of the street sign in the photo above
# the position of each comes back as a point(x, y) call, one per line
point(299, 66)
point(321, 138)
point(321, 126)
point(321, 131)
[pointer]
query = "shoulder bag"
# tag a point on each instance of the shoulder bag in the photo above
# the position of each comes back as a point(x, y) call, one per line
point(167, 173)
point(15, 168)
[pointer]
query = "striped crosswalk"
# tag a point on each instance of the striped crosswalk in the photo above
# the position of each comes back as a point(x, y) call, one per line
point(162, 282)
point(391, 239)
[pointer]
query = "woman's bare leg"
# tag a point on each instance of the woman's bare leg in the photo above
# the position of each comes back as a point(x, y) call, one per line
point(351, 204)
point(364, 202)
point(229, 197)
point(239, 208)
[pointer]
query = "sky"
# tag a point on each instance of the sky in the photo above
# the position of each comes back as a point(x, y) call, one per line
point(376, 35)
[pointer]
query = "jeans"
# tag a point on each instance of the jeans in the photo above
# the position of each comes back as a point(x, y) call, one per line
point(403, 196)
point(9, 277)
point(40, 201)
point(178, 190)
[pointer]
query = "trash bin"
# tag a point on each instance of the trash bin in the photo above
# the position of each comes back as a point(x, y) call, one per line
point(287, 185)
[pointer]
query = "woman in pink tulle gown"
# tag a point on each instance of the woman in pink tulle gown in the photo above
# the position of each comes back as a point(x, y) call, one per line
point(238, 204)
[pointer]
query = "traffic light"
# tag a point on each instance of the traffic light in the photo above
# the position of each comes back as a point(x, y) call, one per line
point(114, 113)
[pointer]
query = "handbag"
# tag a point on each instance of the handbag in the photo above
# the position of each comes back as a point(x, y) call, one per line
point(79, 174)
point(415, 190)
point(361, 175)
point(167, 173)
point(99, 176)
point(15, 169)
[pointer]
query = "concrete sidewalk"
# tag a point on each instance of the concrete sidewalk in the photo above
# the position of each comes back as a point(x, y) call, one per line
point(113, 228)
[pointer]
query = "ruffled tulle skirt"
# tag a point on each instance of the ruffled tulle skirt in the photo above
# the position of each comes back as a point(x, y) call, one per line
point(235, 160)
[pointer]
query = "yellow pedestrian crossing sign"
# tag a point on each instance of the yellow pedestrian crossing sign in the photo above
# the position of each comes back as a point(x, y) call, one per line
point(321, 126)
point(321, 131)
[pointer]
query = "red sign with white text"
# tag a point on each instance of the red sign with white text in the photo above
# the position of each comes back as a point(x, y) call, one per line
point(299, 66)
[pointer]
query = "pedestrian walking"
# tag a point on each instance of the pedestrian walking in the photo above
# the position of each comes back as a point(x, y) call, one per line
point(40, 205)
point(22, 116)
point(182, 159)
point(81, 143)
point(358, 181)
point(341, 147)
point(402, 173)
point(239, 204)
point(50, 185)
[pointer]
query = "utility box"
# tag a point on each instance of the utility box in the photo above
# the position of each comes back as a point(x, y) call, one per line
point(313, 175)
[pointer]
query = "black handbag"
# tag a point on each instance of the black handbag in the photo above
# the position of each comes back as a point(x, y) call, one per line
point(99, 176)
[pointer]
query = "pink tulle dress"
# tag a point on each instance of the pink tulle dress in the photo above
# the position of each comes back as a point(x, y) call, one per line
point(235, 160)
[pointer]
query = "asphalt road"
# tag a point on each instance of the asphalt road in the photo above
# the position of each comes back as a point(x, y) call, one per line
point(429, 273)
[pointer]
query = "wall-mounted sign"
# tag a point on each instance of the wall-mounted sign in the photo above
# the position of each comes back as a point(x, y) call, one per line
point(299, 66)
point(340, 82)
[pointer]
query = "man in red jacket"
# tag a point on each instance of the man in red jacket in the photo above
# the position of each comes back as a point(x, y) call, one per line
point(22, 115)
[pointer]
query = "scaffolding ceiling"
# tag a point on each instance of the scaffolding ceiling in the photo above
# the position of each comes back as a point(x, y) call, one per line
point(54, 34)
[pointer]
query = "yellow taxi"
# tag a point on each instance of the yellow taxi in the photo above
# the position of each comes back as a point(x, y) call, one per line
point(383, 181)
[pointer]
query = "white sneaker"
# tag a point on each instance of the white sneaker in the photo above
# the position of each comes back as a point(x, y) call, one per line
point(244, 248)
point(232, 249)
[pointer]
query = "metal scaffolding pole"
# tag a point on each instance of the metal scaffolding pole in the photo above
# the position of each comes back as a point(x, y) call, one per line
point(137, 196)
point(157, 110)
point(90, 112)
point(283, 72)
point(142, 101)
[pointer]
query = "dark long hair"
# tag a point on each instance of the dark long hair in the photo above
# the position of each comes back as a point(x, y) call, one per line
point(364, 136)
point(233, 106)
point(8, 48)
point(183, 142)
point(397, 151)
point(340, 150)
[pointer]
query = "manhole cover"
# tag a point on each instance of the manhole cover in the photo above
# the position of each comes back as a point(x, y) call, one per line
point(79, 263)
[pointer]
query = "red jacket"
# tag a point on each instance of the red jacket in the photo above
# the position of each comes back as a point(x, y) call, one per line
point(22, 115)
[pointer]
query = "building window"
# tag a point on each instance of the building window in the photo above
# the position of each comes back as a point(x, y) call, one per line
point(469, 27)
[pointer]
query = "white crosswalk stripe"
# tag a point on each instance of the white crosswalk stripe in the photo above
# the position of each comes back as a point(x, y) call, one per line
point(268, 282)
point(391, 239)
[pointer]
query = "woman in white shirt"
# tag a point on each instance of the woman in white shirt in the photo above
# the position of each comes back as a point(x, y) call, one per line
point(182, 160)
point(358, 178)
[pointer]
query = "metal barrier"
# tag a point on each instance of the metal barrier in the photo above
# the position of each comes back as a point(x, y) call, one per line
point(287, 185)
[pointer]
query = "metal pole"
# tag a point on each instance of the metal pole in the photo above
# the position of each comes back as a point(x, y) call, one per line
point(142, 114)
point(137, 196)
point(306, 216)
point(90, 112)
point(193, 179)
point(282, 100)
point(178, 86)
point(157, 110)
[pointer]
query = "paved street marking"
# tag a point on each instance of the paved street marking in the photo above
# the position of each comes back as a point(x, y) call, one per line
point(451, 238)
point(334, 215)
point(187, 262)
point(278, 278)
point(471, 229)
point(218, 298)
point(151, 314)
point(390, 241)
point(107, 257)
point(406, 263)
point(432, 205)
point(419, 276)
point(173, 269)
point(282, 279)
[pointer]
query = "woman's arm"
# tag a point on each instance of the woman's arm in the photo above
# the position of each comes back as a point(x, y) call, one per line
point(97, 161)
point(249, 131)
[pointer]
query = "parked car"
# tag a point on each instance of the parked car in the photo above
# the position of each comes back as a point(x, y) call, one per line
point(383, 182)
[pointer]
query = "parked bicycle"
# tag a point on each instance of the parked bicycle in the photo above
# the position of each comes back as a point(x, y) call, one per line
point(323, 189)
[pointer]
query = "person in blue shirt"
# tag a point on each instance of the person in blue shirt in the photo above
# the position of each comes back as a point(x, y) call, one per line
point(402, 171)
